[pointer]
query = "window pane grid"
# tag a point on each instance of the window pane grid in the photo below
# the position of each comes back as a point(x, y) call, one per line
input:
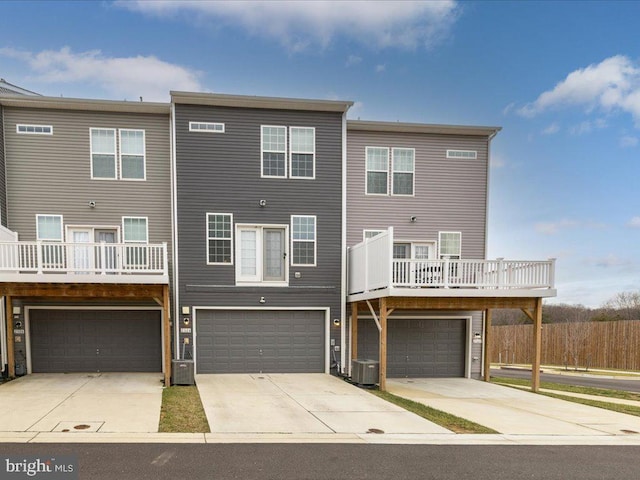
point(135, 230)
point(304, 238)
point(50, 227)
point(450, 244)
point(219, 238)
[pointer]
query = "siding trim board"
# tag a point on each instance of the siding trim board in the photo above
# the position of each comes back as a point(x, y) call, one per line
point(327, 329)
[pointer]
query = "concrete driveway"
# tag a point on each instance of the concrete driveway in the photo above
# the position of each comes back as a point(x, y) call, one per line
point(512, 411)
point(300, 403)
point(82, 402)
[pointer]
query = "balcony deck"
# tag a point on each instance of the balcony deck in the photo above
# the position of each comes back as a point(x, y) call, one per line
point(374, 273)
point(59, 262)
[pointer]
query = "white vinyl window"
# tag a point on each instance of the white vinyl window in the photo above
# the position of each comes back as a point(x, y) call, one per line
point(219, 239)
point(103, 153)
point(303, 150)
point(34, 129)
point(206, 127)
point(135, 229)
point(274, 151)
point(132, 154)
point(261, 253)
point(377, 171)
point(450, 245)
point(49, 228)
point(403, 171)
point(367, 234)
point(467, 154)
point(303, 240)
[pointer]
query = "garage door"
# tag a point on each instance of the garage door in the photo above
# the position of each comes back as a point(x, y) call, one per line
point(418, 348)
point(229, 341)
point(95, 341)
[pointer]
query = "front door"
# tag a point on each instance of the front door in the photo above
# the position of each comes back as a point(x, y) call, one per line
point(274, 254)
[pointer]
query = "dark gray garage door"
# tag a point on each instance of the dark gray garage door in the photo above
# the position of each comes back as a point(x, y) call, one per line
point(417, 348)
point(95, 341)
point(230, 341)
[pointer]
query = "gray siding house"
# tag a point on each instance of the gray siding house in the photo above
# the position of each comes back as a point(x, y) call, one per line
point(416, 231)
point(259, 214)
point(84, 251)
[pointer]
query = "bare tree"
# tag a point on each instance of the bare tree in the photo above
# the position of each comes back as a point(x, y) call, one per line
point(576, 332)
point(627, 304)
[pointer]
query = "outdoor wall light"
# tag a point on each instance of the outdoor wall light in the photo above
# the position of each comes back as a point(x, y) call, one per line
point(262, 203)
point(413, 219)
point(336, 322)
point(92, 204)
point(262, 300)
point(16, 310)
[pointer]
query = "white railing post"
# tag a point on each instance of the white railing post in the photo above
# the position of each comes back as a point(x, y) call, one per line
point(552, 272)
point(165, 258)
point(445, 272)
point(39, 257)
point(500, 267)
point(366, 266)
point(390, 258)
point(102, 259)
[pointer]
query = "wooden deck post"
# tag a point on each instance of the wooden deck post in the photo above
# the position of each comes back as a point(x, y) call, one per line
point(537, 346)
point(383, 344)
point(354, 331)
point(166, 315)
point(11, 356)
point(487, 345)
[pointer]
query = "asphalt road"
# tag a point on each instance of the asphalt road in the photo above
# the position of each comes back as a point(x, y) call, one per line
point(334, 462)
point(632, 385)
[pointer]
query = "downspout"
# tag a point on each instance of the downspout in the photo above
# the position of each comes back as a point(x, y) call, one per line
point(174, 231)
point(343, 286)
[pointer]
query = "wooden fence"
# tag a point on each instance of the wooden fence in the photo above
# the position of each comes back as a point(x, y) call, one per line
point(583, 344)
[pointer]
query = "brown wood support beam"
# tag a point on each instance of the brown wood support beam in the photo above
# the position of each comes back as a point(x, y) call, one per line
point(383, 345)
point(354, 330)
point(537, 346)
point(166, 323)
point(529, 313)
point(11, 356)
point(487, 345)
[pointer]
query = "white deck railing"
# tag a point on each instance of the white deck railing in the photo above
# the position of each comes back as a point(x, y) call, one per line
point(83, 258)
point(372, 267)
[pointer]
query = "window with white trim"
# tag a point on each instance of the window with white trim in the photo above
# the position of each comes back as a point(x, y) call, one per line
point(367, 234)
point(135, 231)
point(206, 127)
point(34, 129)
point(219, 239)
point(377, 170)
point(132, 154)
point(274, 151)
point(303, 240)
point(103, 153)
point(303, 151)
point(403, 171)
point(466, 154)
point(450, 245)
point(49, 228)
point(261, 255)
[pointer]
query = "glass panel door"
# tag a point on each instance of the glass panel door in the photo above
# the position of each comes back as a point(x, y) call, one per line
point(274, 254)
point(106, 255)
point(81, 255)
point(248, 261)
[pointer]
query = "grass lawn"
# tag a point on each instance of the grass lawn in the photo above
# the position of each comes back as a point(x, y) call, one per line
point(601, 392)
point(446, 420)
point(182, 411)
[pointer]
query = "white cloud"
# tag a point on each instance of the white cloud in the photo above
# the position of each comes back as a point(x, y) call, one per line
point(588, 126)
point(634, 222)
point(353, 60)
point(551, 129)
point(298, 25)
point(122, 77)
point(613, 84)
point(628, 141)
point(551, 228)
point(381, 68)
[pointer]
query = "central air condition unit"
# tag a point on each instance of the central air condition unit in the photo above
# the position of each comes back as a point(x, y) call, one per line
point(365, 372)
point(182, 372)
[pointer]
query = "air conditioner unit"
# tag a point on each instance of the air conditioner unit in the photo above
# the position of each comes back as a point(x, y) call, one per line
point(365, 372)
point(182, 372)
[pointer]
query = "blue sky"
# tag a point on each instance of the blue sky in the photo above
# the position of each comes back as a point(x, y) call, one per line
point(561, 78)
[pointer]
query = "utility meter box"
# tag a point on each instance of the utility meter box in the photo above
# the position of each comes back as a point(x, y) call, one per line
point(365, 372)
point(182, 372)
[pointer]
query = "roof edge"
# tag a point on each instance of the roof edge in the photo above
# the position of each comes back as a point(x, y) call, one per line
point(399, 127)
point(249, 101)
point(63, 103)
